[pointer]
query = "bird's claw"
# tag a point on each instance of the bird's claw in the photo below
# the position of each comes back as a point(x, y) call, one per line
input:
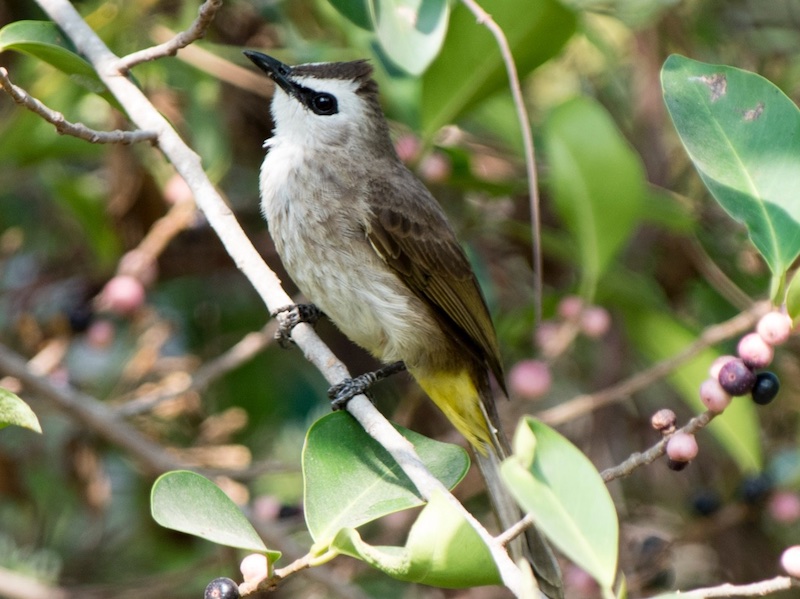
point(343, 392)
point(290, 316)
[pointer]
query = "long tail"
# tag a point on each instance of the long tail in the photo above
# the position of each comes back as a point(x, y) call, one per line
point(465, 398)
point(532, 546)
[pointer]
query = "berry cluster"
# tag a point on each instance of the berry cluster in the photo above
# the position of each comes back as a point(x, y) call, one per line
point(736, 375)
point(730, 376)
point(681, 447)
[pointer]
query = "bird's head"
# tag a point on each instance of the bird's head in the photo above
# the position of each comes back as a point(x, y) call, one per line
point(330, 104)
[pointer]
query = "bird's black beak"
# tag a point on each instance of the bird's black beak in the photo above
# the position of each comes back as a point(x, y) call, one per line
point(277, 71)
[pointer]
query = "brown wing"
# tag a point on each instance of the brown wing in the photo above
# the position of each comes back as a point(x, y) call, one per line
point(411, 233)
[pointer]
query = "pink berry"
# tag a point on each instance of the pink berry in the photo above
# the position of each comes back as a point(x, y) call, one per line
point(754, 351)
point(122, 295)
point(736, 378)
point(435, 168)
point(595, 322)
point(664, 421)
point(784, 507)
point(713, 396)
point(266, 508)
point(254, 567)
point(717, 365)
point(774, 327)
point(407, 148)
point(530, 379)
point(579, 583)
point(682, 447)
point(570, 307)
point(177, 190)
point(790, 560)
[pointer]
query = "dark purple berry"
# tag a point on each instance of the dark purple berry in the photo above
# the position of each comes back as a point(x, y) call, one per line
point(766, 388)
point(706, 502)
point(222, 588)
point(676, 465)
point(755, 488)
point(736, 378)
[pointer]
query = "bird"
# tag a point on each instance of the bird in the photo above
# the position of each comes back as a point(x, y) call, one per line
point(366, 242)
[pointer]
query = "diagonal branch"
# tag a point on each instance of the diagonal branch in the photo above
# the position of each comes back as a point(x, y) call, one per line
point(656, 451)
point(170, 48)
point(753, 589)
point(583, 404)
point(65, 127)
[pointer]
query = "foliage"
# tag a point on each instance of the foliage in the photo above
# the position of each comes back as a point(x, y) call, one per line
point(627, 224)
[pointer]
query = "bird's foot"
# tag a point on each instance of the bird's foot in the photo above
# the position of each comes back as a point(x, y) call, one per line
point(292, 315)
point(343, 392)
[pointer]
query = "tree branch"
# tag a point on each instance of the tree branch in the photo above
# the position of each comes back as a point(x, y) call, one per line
point(187, 163)
point(527, 139)
point(583, 404)
point(65, 127)
point(196, 31)
point(754, 589)
point(655, 452)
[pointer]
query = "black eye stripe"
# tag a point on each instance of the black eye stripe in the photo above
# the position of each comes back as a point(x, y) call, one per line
point(321, 103)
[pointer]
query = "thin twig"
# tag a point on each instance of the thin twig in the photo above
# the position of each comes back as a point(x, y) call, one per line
point(656, 451)
point(216, 66)
point(205, 15)
point(188, 164)
point(65, 127)
point(513, 532)
point(583, 404)
point(527, 139)
point(754, 589)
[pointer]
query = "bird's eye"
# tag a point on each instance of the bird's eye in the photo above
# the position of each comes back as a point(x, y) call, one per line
point(324, 104)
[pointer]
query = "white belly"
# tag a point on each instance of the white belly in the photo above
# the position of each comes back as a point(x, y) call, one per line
point(323, 245)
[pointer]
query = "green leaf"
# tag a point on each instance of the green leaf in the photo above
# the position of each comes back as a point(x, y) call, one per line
point(659, 336)
point(351, 480)
point(190, 503)
point(743, 136)
point(793, 298)
point(411, 32)
point(553, 481)
point(470, 69)
point(45, 41)
point(14, 411)
point(355, 11)
point(442, 550)
point(600, 210)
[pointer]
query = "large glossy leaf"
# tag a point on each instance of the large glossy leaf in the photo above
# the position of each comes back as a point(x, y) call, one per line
point(190, 503)
point(45, 41)
point(659, 336)
point(552, 480)
point(469, 68)
point(442, 550)
point(583, 147)
point(743, 135)
point(14, 411)
point(356, 11)
point(351, 480)
point(411, 32)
